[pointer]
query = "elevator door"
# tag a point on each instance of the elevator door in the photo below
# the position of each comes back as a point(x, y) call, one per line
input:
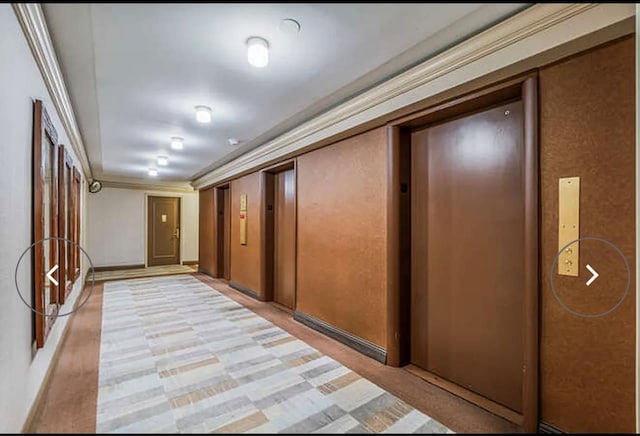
point(224, 232)
point(284, 241)
point(468, 252)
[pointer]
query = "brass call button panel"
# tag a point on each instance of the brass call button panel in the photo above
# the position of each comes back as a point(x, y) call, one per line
point(243, 219)
point(568, 225)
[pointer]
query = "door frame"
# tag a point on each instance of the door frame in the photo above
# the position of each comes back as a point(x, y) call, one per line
point(267, 186)
point(44, 142)
point(146, 224)
point(217, 194)
point(399, 234)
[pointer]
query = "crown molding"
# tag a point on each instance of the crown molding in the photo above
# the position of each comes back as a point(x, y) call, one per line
point(34, 26)
point(527, 34)
point(144, 185)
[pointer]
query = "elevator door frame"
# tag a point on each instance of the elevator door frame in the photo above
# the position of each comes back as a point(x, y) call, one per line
point(399, 240)
point(268, 226)
point(221, 232)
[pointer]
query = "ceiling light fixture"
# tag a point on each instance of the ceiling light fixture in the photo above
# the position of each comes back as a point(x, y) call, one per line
point(258, 51)
point(177, 143)
point(153, 172)
point(289, 26)
point(203, 114)
point(163, 160)
point(233, 141)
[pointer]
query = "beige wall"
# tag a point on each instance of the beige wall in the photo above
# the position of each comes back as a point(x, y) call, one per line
point(117, 228)
point(22, 374)
point(342, 235)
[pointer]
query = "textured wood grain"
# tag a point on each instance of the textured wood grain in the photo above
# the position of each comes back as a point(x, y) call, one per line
point(284, 247)
point(246, 260)
point(163, 218)
point(587, 113)
point(342, 235)
point(468, 258)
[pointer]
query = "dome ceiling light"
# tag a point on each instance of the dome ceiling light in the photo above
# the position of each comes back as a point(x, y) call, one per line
point(163, 160)
point(258, 51)
point(203, 114)
point(177, 143)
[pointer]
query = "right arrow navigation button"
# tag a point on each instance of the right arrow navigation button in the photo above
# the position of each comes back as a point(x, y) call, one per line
point(594, 276)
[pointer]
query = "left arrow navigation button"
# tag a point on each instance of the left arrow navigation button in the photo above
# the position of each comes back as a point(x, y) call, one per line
point(50, 275)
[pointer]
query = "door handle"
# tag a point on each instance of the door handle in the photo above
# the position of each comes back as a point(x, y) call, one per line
point(177, 233)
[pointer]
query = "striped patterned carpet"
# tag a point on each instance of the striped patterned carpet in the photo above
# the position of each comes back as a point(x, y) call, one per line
point(178, 356)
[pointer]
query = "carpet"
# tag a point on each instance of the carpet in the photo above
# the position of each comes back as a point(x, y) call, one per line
point(178, 356)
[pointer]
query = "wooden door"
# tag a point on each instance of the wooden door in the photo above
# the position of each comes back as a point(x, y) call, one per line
point(284, 239)
point(468, 252)
point(163, 238)
point(224, 232)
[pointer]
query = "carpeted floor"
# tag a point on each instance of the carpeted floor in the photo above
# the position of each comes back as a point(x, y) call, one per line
point(178, 356)
point(152, 271)
point(68, 401)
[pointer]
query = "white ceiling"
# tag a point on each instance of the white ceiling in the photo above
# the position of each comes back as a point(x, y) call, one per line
point(135, 71)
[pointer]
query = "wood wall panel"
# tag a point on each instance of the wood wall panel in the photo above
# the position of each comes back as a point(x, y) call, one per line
point(342, 235)
point(587, 116)
point(206, 243)
point(246, 260)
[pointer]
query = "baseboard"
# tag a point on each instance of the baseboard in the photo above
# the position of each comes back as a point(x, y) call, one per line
point(206, 272)
point(545, 428)
point(117, 267)
point(250, 292)
point(365, 347)
point(190, 262)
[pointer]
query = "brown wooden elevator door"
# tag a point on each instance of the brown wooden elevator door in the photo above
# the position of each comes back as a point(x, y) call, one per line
point(284, 278)
point(468, 252)
point(164, 231)
point(224, 233)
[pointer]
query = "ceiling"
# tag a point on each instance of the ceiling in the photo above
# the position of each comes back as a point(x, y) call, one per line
point(134, 72)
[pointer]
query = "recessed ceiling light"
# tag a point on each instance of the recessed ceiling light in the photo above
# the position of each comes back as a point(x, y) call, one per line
point(290, 26)
point(177, 143)
point(233, 141)
point(258, 51)
point(203, 114)
point(153, 172)
point(163, 160)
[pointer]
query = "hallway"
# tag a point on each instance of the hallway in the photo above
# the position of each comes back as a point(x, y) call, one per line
point(177, 357)
point(265, 218)
point(140, 359)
